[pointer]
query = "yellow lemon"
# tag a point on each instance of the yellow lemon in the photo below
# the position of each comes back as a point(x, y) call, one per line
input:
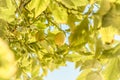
point(60, 39)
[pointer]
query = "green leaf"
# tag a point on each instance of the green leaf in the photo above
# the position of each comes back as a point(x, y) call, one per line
point(73, 57)
point(46, 46)
point(112, 70)
point(80, 2)
point(98, 47)
point(74, 3)
point(118, 1)
point(59, 14)
point(112, 52)
point(112, 18)
point(71, 21)
point(67, 3)
point(83, 74)
point(3, 3)
point(91, 64)
point(45, 71)
point(7, 10)
point(104, 7)
point(40, 35)
point(90, 75)
point(83, 26)
point(80, 34)
point(94, 75)
point(25, 62)
point(78, 64)
point(108, 33)
point(3, 24)
point(97, 21)
point(38, 5)
point(35, 70)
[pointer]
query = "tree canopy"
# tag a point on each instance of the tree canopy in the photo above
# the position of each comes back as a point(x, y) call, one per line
point(41, 35)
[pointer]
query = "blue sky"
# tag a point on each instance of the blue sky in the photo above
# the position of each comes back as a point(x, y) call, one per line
point(63, 73)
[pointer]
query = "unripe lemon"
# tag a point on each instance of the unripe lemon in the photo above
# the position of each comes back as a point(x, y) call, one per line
point(60, 39)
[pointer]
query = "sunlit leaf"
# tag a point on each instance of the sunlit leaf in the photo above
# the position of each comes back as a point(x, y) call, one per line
point(38, 5)
point(108, 33)
point(112, 52)
point(74, 3)
point(73, 57)
point(94, 75)
point(46, 46)
point(83, 75)
point(71, 21)
point(40, 35)
point(77, 37)
point(97, 21)
point(78, 64)
point(3, 24)
point(118, 1)
point(80, 2)
point(59, 14)
point(112, 70)
point(91, 64)
point(112, 17)
point(104, 7)
point(3, 3)
point(7, 10)
point(99, 47)
point(67, 3)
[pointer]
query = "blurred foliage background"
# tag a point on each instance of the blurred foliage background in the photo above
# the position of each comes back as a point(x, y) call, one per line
point(41, 35)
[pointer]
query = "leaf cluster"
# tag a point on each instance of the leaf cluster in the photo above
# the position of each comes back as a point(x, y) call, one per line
point(43, 35)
